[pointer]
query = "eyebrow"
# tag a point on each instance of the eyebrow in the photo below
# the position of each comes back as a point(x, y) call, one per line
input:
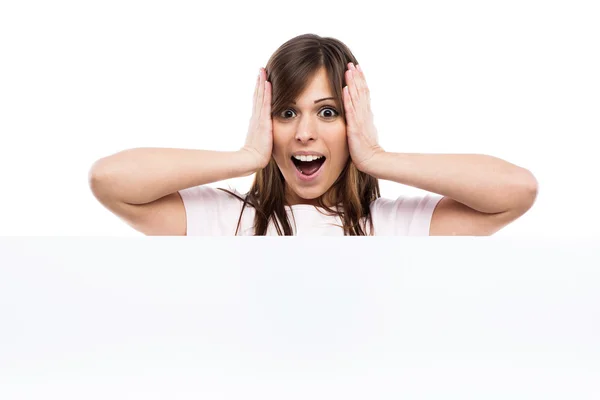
point(317, 101)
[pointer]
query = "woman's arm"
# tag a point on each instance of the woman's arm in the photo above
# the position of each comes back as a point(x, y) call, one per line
point(482, 182)
point(143, 175)
point(481, 193)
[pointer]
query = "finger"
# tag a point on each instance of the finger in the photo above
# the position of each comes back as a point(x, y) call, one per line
point(361, 86)
point(352, 87)
point(362, 77)
point(255, 94)
point(267, 99)
point(261, 93)
point(355, 78)
point(348, 101)
point(365, 86)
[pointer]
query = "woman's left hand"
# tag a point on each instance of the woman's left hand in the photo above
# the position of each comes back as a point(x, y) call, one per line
point(360, 130)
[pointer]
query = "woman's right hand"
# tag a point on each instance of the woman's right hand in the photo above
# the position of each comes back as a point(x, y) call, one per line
point(259, 140)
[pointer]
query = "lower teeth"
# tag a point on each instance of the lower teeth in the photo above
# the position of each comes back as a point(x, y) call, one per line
point(317, 170)
point(307, 174)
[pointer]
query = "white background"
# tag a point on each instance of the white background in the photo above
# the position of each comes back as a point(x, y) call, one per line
point(234, 318)
point(454, 317)
point(81, 80)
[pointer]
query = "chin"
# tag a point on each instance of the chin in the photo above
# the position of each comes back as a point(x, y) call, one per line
point(308, 193)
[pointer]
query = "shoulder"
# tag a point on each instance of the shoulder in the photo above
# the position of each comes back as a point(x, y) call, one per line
point(404, 215)
point(212, 211)
point(209, 198)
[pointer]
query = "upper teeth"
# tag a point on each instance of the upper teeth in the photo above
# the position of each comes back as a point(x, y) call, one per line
point(307, 158)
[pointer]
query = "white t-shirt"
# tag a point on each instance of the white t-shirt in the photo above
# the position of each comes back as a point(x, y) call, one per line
point(213, 212)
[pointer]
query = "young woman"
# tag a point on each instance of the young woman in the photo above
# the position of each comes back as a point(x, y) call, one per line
point(313, 146)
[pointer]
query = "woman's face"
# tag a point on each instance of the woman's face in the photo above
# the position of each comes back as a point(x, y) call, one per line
point(314, 128)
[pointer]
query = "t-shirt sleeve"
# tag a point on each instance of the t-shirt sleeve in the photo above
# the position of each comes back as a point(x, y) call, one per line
point(404, 216)
point(210, 211)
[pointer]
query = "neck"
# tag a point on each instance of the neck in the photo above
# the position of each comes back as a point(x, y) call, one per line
point(328, 197)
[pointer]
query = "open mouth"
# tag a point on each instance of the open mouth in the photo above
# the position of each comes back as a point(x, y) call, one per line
point(308, 168)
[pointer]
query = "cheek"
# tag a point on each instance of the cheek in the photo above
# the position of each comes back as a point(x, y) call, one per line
point(280, 147)
point(278, 143)
point(338, 145)
point(341, 143)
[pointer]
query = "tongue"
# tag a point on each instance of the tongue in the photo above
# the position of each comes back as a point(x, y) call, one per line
point(309, 168)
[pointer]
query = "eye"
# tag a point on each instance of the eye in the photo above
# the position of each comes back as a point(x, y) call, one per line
point(335, 113)
point(285, 113)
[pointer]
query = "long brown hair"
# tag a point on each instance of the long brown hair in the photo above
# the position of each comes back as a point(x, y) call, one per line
point(289, 70)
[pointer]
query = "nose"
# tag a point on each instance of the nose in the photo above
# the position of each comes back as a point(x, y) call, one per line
point(305, 133)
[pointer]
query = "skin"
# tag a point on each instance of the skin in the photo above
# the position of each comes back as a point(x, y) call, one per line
point(306, 126)
point(481, 193)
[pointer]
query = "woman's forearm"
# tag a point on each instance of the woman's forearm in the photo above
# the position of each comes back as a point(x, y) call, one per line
point(142, 175)
point(484, 183)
